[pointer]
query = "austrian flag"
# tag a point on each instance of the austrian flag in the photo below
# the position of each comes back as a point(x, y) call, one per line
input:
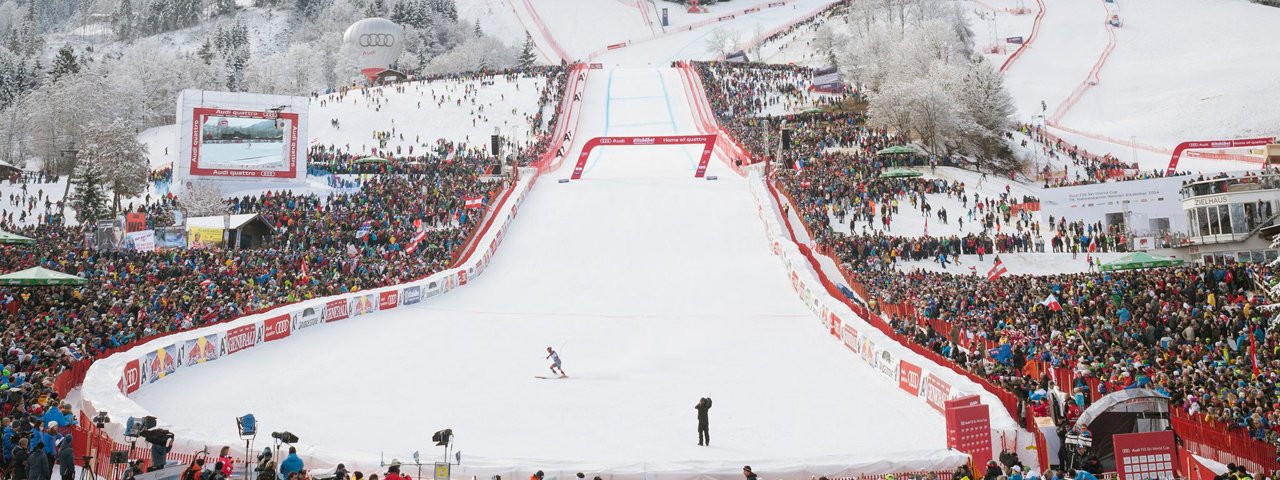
point(1051, 302)
point(473, 202)
point(996, 271)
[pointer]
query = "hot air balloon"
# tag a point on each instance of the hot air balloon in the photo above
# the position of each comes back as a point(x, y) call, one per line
point(377, 43)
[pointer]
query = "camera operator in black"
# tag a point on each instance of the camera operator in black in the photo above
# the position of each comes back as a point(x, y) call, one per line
point(704, 430)
point(266, 466)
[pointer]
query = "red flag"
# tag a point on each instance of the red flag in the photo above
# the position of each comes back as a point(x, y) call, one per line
point(996, 271)
point(305, 276)
point(1051, 302)
point(473, 202)
point(1093, 245)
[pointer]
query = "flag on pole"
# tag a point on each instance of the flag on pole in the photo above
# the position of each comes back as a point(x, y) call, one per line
point(973, 270)
point(365, 228)
point(1051, 302)
point(799, 164)
point(1253, 353)
point(996, 270)
point(305, 276)
point(1093, 244)
point(473, 202)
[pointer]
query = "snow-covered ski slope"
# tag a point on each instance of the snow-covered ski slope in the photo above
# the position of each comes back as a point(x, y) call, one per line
point(655, 287)
point(1177, 70)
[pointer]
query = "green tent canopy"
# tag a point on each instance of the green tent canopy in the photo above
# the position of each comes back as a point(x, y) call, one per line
point(40, 277)
point(900, 173)
point(6, 237)
point(1137, 260)
point(896, 150)
point(371, 160)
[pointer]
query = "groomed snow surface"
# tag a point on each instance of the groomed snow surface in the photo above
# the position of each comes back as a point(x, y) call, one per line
point(655, 287)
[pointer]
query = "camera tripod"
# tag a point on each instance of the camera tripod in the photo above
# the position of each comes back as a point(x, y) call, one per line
point(86, 472)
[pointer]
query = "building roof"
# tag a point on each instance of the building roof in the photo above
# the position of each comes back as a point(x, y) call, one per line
point(216, 221)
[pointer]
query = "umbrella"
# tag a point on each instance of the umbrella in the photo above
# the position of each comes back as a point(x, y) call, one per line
point(1138, 260)
point(40, 277)
point(371, 160)
point(900, 173)
point(6, 237)
point(896, 150)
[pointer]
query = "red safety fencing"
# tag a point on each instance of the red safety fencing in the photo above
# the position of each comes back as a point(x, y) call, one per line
point(87, 439)
point(1035, 31)
point(1222, 443)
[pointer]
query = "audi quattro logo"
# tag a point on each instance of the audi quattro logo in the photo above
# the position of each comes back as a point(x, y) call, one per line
point(377, 40)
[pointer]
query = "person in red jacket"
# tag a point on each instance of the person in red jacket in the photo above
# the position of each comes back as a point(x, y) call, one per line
point(393, 472)
point(224, 457)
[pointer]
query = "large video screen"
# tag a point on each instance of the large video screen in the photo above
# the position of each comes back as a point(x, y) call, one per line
point(242, 136)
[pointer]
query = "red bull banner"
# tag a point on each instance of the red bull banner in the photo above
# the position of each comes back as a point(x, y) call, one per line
point(909, 377)
point(161, 363)
point(363, 304)
point(201, 349)
point(708, 144)
point(132, 378)
point(241, 337)
point(388, 299)
point(276, 328)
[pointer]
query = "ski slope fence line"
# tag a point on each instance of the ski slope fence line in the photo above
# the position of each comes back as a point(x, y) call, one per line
point(1092, 78)
point(526, 28)
point(917, 371)
point(731, 152)
point(107, 380)
point(1217, 155)
point(546, 33)
point(715, 18)
point(1035, 31)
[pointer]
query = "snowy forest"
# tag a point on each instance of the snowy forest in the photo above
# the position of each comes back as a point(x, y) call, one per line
point(69, 64)
point(916, 61)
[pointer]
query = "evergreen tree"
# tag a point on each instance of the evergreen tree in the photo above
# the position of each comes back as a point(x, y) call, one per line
point(206, 53)
point(89, 199)
point(478, 32)
point(222, 7)
point(123, 20)
point(115, 147)
point(527, 57)
point(64, 64)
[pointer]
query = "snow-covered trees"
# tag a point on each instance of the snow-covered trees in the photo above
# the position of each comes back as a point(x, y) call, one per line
point(64, 63)
point(723, 41)
point(114, 146)
point(915, 62)
point(527, 58)
point(88, 197)
point(201, 199)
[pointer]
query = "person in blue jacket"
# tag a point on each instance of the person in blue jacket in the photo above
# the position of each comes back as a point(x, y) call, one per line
point(48, 439)
point(291, 464)
point(6, 440)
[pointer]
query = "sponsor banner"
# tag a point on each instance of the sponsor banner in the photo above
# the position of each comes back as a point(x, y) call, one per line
point(135, 222)
point(1140, 456)
point(936, 392)
point(241, 337)
point(597, 66)
point(909, 378)
point(200, 349)
point(388, 299)
point(362, 304)
point(411, 295)
point(969, 431)
point(751, 10)
point(433, 289)
point(336, 310)
point(161, 363)
point(1014, 40)
point(851, 338)
point(868, 351)
point(215, 154)
point(449, 282)
point(141, 241)
point(887, 364)
point(726, 17)
point(170, 237)
point(835, 325)
point(776, 4)
point(462, 278)
point(307, 317)
point(616, 46)
point(132, 377)
point(275, 328)
point(204, 237)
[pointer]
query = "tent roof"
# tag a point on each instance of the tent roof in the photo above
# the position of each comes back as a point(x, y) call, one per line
point(895, 150)
point(1138, 260)
point(40, 276)
point(6, 237)
point(215, 221)
point(1130, 400)
point(899, 173)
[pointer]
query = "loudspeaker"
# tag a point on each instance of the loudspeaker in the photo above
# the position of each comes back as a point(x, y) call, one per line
point(786, 139)
point(493, 145)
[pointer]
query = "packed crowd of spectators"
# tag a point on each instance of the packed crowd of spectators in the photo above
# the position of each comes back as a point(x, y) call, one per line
point(1090, 168)
point(406, 220)
point(1187, 331)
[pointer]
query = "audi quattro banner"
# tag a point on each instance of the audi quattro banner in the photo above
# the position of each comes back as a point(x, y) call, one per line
point(276, 328)
point(909, 378)
point(388, 299)
point(241, 137)
point(131, 379)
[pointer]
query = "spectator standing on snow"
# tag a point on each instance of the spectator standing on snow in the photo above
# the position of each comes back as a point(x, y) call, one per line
point(704, 430)
point(291, 463)
point(66, 459)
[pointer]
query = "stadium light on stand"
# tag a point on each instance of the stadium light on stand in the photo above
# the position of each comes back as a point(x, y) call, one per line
point(248, 428)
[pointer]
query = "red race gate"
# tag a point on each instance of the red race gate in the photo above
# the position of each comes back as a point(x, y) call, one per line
point(708, 144)
point(1237, 143)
